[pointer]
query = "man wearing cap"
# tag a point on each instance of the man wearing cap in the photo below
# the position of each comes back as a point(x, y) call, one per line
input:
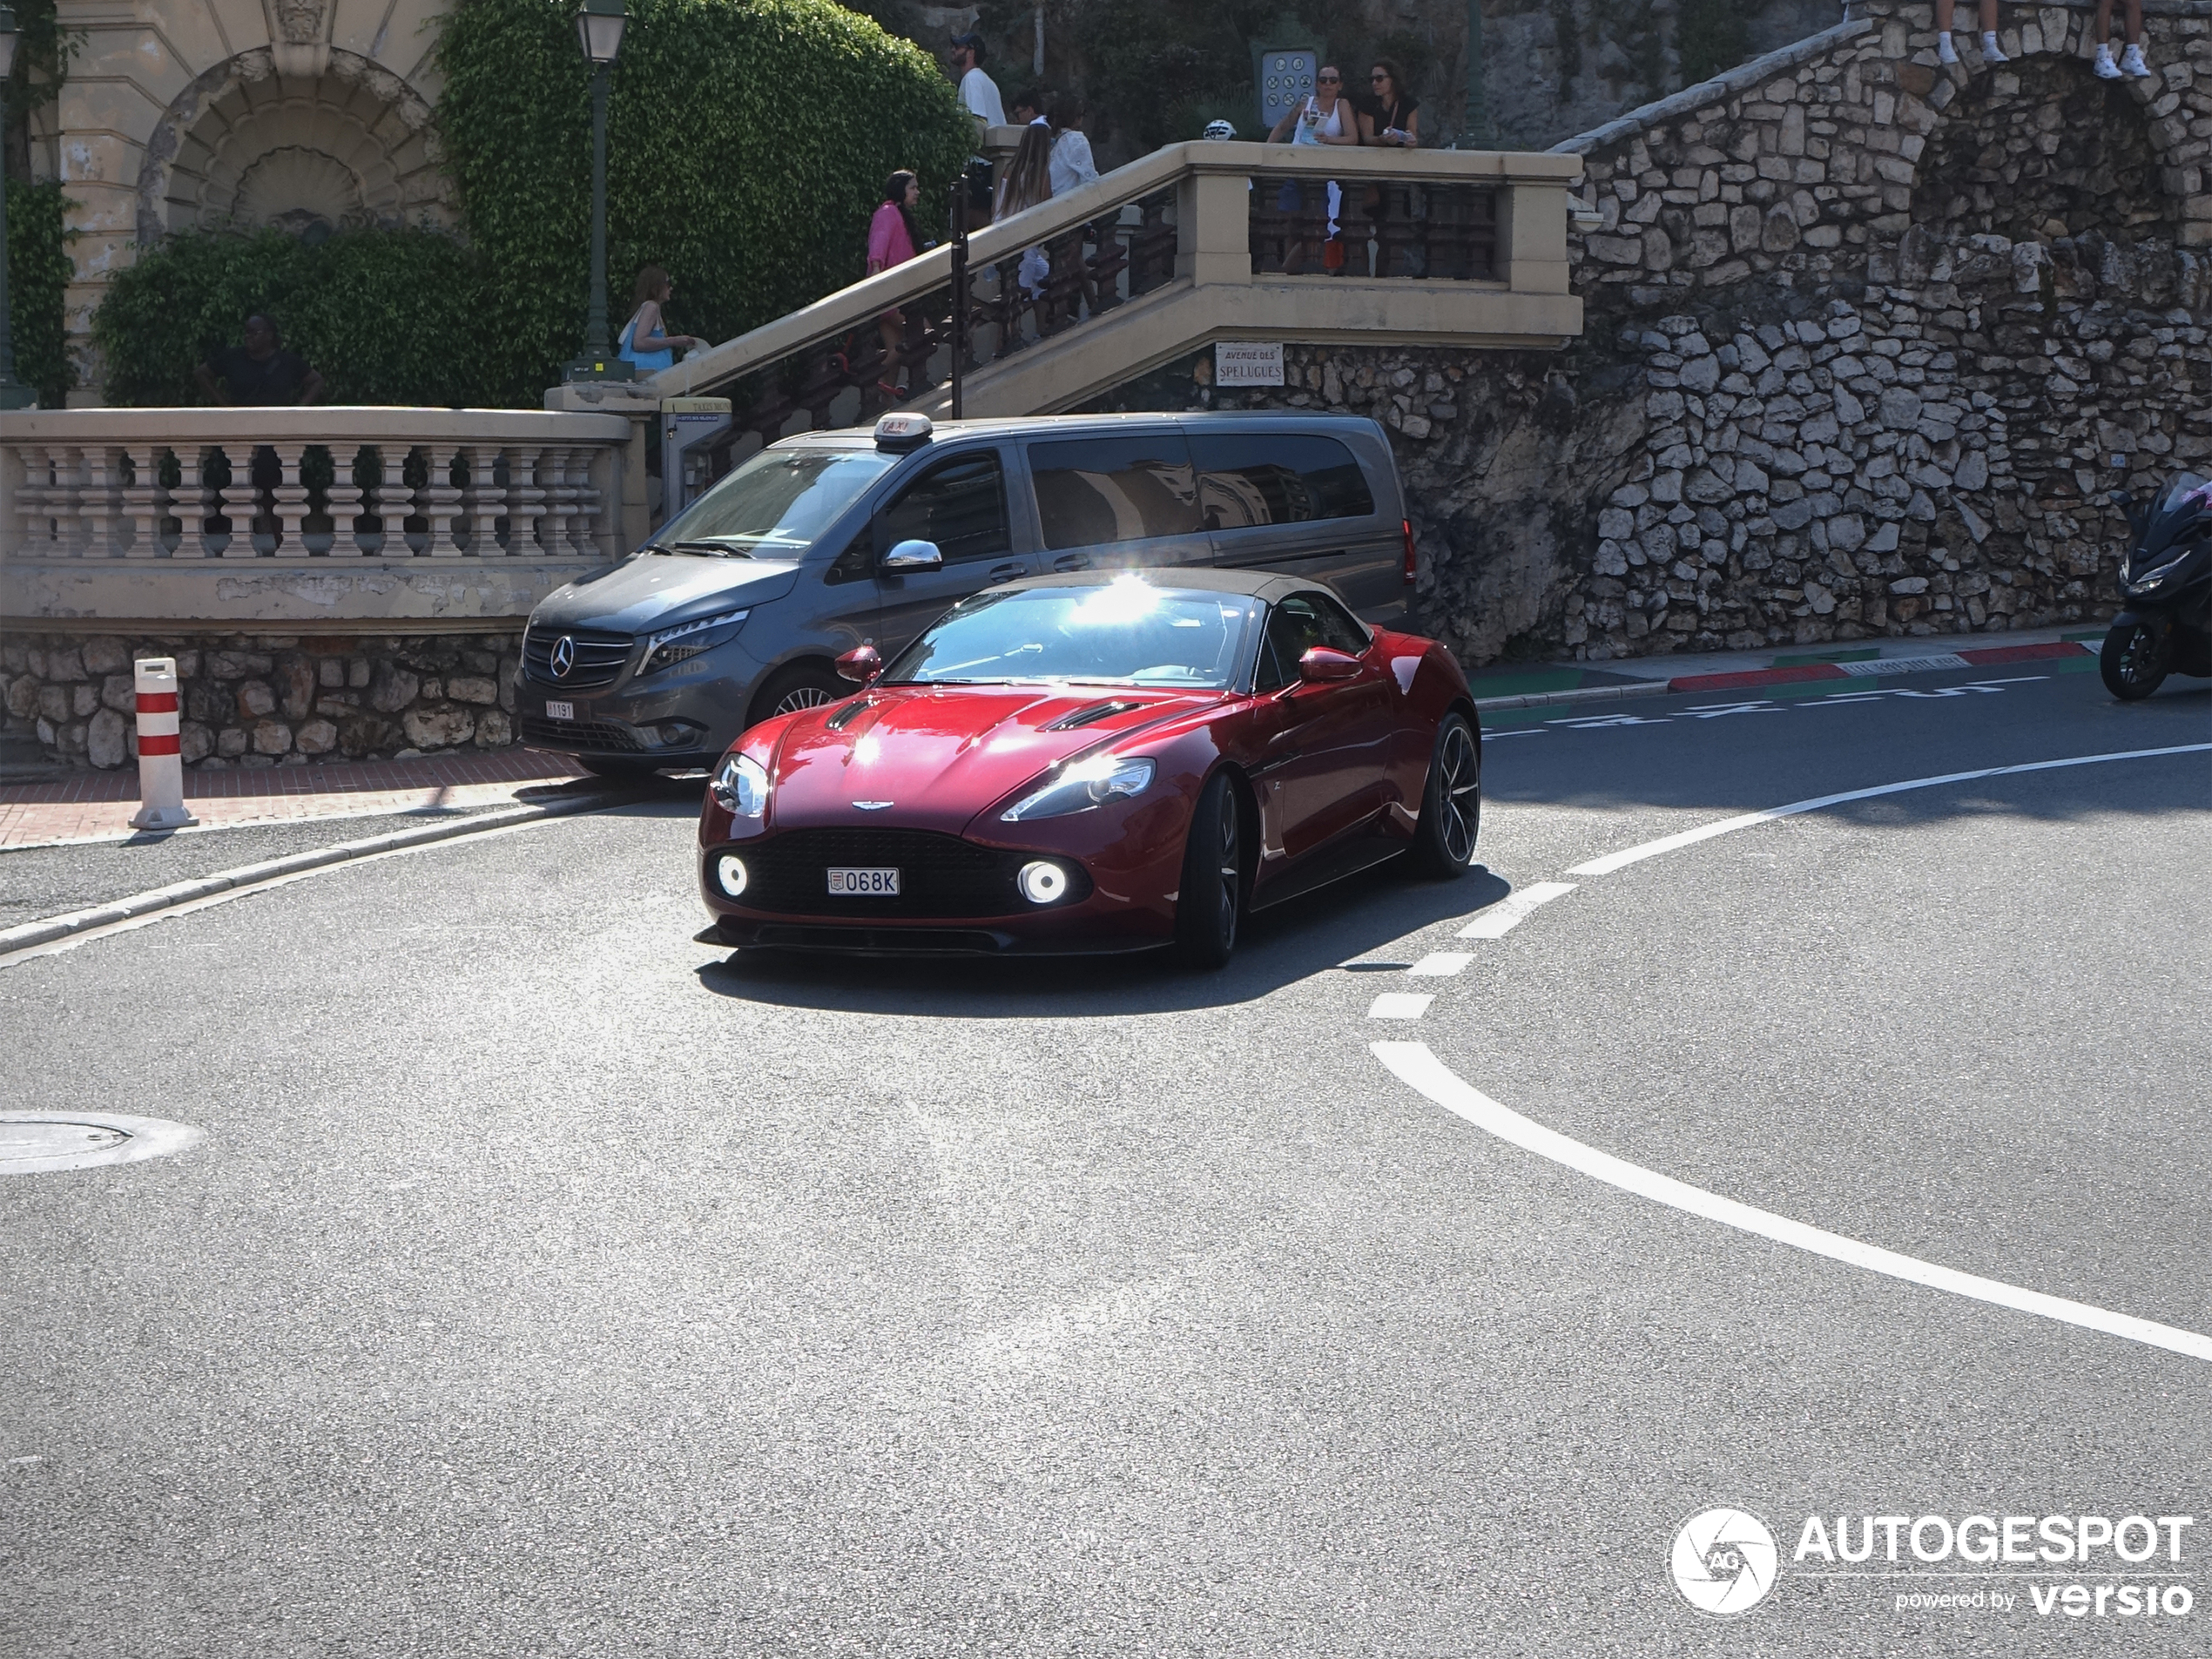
point(977, 90)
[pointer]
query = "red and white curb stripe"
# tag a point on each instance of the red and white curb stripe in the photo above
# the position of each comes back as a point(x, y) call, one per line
point(1794, 674)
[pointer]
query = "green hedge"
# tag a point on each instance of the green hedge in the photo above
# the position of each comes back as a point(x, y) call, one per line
point(386, 316)
point(747, 148)
point(38, 270)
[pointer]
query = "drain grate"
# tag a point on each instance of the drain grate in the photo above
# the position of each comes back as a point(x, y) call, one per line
point(36, 1142)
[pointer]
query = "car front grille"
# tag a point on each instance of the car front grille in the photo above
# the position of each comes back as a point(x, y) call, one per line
point(939, 875)
point(580, 737)
point(599, 657)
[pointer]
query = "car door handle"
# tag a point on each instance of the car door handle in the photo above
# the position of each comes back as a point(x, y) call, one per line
point(1008, 572)
point(1068, 561)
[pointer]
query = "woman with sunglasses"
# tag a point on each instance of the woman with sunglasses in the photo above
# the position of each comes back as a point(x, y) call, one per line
point(1326, 117)
point(1393, 116)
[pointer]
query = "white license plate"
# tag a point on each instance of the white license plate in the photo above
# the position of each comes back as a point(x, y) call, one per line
point(560, 711)
point(864, 883)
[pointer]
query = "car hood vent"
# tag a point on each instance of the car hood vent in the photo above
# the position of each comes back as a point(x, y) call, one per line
point(1089, 716)
point(849, 713)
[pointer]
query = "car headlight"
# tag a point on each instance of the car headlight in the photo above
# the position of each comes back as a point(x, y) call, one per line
point(1086, 784)
point(740, 787)
point(673, 645)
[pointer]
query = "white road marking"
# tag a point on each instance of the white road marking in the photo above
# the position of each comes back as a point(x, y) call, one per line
point(1414, 1064)
point(1442, 964)
point(1399, 1005)
point(1613, 861)
point(1504, 917)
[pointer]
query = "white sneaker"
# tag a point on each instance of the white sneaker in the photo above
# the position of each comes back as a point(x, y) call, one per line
point(1989, 54)
point(1946, 52)
point(2131, 61)
point(2106, 69)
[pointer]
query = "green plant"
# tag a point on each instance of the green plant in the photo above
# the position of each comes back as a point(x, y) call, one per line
point(1712, 37)
point(38, 270)
point(748, 145)
point(386, 316)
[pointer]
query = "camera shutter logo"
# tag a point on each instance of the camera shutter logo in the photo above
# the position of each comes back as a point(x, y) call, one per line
point(1723, 1561)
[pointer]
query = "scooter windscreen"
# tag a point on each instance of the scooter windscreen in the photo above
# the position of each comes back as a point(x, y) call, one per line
point(2180, 518)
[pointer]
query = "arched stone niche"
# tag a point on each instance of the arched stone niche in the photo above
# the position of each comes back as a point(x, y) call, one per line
point(247, 145)
point(2043, 150)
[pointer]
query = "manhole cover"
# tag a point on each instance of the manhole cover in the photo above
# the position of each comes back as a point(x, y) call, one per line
point(34, 1143)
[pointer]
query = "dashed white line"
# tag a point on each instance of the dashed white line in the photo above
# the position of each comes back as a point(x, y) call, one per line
point(1504, 917)
point(1414, 1064)
point(1442, 964)
point(1399, 1005)
point(1636, 854)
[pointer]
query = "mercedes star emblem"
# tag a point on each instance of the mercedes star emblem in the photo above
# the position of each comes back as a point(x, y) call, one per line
point(563, 655)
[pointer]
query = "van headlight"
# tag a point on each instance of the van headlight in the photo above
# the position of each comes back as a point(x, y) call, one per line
point(673, 645)
point(1085, 784)
point(740, 787)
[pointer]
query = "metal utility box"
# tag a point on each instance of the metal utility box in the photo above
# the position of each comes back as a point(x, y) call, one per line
point(688, 427)
point(1282, 76)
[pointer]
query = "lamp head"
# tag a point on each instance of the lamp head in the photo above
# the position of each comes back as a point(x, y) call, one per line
point(598, 30)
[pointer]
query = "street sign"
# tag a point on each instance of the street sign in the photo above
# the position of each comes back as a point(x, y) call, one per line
point(1282, 76)
point(1247, 362)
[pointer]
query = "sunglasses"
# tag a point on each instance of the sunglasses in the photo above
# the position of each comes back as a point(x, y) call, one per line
point(1325, 79)
point(1378, 78)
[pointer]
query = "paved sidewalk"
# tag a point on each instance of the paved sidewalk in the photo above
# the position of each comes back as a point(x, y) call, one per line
point(98, 806)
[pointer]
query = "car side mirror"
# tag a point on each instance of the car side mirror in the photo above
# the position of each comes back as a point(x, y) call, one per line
point(913, 555)
point(1323, 663)
point(860, 664)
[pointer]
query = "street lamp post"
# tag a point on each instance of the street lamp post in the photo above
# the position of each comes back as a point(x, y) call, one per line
point(14, 394)
point(598, 31)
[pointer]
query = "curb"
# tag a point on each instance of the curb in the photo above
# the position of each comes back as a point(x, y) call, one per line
point(29, 934)
point(1580, 694)
point(1877, 668)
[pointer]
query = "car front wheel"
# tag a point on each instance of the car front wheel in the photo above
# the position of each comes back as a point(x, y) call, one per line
point(803, 685)
point(1212, 895)
point(1452, 804)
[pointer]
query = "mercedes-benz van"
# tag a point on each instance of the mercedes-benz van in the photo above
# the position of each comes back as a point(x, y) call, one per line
point(737, 608)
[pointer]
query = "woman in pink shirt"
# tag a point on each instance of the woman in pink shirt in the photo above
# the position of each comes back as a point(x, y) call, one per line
point(892, 239)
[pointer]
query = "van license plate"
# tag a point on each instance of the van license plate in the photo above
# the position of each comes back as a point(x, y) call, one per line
point(864, 883)
point(560, 711)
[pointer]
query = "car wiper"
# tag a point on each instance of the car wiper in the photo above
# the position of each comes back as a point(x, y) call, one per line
point(720, 547)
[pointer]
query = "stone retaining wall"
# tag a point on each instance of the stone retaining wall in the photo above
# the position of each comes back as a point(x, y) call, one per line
point(254, 700)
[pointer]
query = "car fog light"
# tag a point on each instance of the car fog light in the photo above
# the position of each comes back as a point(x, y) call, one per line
point(1042, 883)
point(731, 873)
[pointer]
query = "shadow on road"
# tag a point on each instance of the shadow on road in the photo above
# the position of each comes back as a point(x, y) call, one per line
point(1317, 934)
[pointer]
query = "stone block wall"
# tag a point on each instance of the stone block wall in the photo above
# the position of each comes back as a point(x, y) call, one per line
point(256, 700)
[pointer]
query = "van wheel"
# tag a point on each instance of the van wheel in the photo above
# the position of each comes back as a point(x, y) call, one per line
point(803, 685)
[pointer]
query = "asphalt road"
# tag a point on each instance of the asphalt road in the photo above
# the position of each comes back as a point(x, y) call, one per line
point(546, 1283)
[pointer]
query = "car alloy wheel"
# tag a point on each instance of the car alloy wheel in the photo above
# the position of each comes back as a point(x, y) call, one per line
point(801, 696)
point(1212, 895)
point(1451, 803)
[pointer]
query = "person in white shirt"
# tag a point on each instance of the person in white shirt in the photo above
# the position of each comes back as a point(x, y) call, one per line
point(977, 90)
point(1072, 166)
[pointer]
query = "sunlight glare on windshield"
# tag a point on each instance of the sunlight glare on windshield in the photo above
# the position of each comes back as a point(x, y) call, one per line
point(1127, 598)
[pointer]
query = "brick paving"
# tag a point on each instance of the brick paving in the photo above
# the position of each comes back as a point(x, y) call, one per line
point(98, 806)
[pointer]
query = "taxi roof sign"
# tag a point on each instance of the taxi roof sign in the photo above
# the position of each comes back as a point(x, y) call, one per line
point(899, 432)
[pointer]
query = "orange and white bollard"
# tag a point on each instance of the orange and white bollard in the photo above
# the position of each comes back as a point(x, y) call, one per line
point(161, 768)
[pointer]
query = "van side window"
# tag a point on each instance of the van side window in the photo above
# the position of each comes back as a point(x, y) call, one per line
point(1094, 491)
point(1252, 478)
point(960, 504)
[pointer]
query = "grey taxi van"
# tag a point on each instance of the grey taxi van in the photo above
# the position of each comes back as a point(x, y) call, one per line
point(736, 609)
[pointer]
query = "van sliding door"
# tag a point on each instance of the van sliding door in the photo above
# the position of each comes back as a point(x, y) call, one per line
point(1297, 503)
point(1117, 502)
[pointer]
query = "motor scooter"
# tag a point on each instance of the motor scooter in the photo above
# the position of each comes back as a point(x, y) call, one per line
point(2165, 625)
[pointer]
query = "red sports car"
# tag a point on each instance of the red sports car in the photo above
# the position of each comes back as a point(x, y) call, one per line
point(1095, 763)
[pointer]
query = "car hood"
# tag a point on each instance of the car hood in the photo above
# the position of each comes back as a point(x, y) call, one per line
point(941, 754)
point(657, 589)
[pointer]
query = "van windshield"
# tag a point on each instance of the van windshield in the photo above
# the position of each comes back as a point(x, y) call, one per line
point(779, 499)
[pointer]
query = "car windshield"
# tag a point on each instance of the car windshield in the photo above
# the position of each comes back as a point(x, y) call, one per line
point(779, 500)
point(1123, 632)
